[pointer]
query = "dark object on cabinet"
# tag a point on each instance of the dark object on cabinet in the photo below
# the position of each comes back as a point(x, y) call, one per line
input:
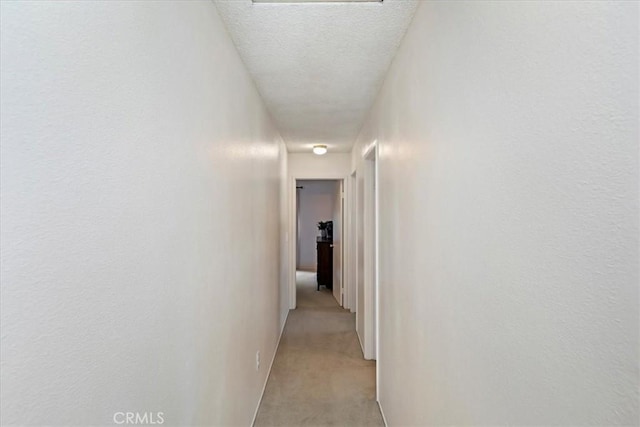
point(324, 248)
point(329, 230)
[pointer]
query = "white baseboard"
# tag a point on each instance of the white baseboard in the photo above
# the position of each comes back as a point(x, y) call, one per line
point(264, 387)
point(384, 419)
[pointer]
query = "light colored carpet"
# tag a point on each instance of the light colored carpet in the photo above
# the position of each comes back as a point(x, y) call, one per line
point(319, 376)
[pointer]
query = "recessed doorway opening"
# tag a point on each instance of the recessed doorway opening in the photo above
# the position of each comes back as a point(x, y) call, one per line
point(318, 238)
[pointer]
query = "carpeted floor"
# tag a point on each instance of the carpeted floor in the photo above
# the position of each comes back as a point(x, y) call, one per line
point(319, 377)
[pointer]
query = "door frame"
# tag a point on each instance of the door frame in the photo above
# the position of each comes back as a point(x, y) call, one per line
point(350, 244)
point(370, 249)
point(293, 217)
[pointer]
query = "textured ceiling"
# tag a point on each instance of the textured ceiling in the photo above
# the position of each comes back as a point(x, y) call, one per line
point(318, 66)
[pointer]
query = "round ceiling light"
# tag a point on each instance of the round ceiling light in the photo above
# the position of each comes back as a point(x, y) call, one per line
point(319, 149)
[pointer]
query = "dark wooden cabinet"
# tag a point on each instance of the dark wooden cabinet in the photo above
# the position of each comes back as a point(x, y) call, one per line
point(325, 263)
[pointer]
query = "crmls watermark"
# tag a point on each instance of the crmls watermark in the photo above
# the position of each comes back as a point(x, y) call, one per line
point(144, 418)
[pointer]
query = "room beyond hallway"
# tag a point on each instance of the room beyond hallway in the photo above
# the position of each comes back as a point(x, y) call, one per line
point(319, 376)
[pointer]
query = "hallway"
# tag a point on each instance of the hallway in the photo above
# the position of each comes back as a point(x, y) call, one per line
point(319, 376)
point(485, 238)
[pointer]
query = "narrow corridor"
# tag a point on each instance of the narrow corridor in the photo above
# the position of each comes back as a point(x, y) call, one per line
point(478, 161)
point(319, 376)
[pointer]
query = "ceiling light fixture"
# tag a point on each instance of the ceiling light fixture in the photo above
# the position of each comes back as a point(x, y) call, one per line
point(319, 149)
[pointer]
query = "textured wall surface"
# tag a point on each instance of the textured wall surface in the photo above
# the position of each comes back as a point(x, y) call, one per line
point(318, 65)
point(509, 256)
point(140, 216)
point(310, 166)
point(284, 235)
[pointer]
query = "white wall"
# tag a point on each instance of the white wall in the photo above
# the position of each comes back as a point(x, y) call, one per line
point(140, 216)
point(350, 244)
point(317, 200)
point(311, 166)
point(284, 236)
point(508, 137)
point(360, 308)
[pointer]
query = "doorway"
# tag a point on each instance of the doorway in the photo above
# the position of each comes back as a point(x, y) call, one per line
point(366, 252)
point(349, 246)
point(318, 240)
